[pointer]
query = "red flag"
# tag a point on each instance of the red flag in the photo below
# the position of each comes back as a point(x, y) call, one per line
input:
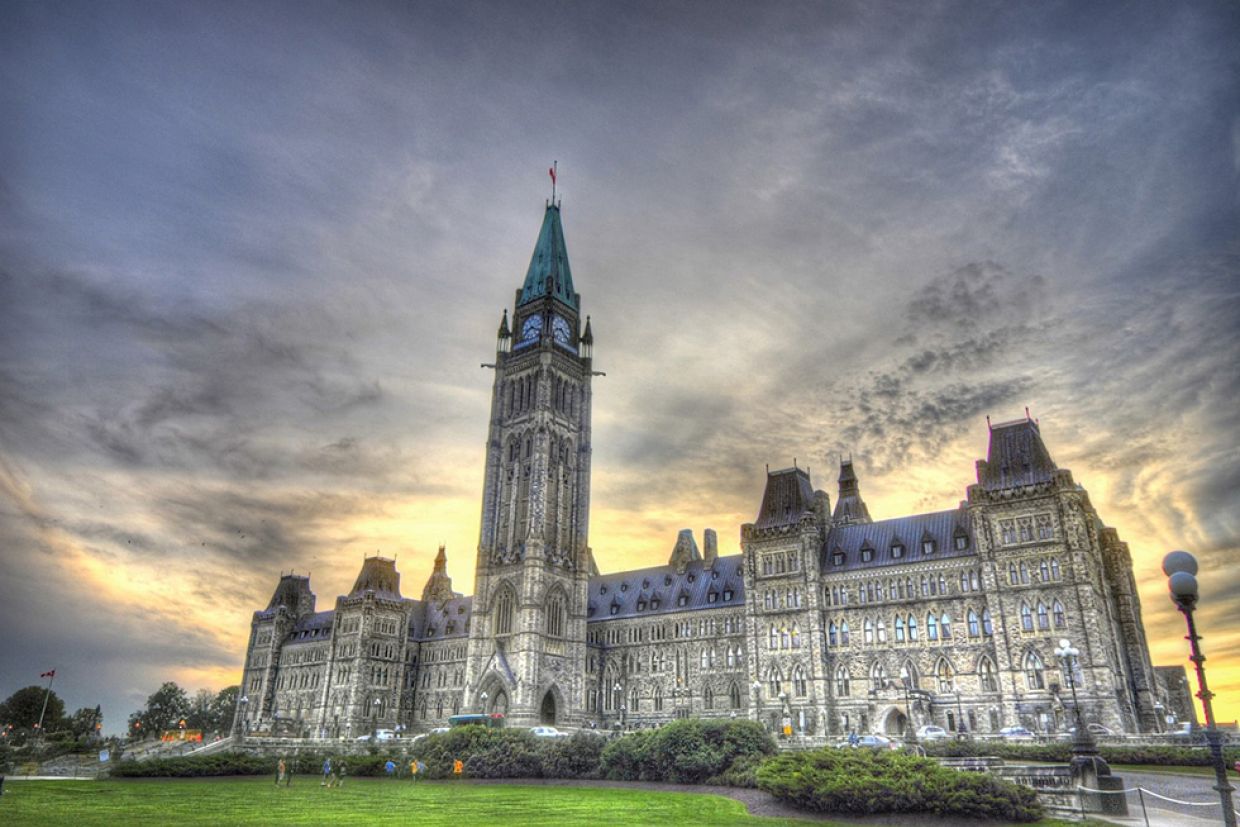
point(50, 674)
point(551, 171)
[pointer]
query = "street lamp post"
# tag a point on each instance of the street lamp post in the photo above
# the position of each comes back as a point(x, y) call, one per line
point(243, 702)
point(1083, 743)
point(756, 686)
point(616, 701)
point(910, 737)
point(483, 698)
point(1181, 570)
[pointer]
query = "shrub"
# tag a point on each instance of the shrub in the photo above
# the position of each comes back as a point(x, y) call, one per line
point(577, 757)
point(863, 782)
point(224, 763)
point(685, 752)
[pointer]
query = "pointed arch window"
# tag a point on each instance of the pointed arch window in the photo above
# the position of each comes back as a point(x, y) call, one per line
point(946, 676)
point(878, 676)
point(658, 699)
point(1013, 577)
point(503, 611)
point(1044, 570)
point(799, 684)
point(1035, 671)
point(868, 631)
point(899, 627)
point(1024, 574)
point(908, 675)
point(881, 628)
point(843, 682)
point(796, 636)
point(734, 695)
point(1044, 620)
point(832, 634)
point(1026, 617)
point(775, 679)
point(844, 633)
point(1061, 620)
point(912, 629)
point(986, 675)
point(945, 624)
point(1055, 573)
point(932, 627)
point(708, 698)
point(556, 613)
point(974, 628)
point(988, 627)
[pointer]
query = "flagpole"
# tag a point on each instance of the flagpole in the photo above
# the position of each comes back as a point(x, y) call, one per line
point(46, 695)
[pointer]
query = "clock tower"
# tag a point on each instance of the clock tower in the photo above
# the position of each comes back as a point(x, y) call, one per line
point(528, 629)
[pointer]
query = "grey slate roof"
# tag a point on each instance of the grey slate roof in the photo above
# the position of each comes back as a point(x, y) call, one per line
point(313, 628)
point(940, 526)
point(787, 497)
point(626, 589)
point(436, 617)
point(1016, 456)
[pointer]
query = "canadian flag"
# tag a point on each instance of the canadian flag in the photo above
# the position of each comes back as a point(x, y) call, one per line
point(551, 172)
point(50, 674)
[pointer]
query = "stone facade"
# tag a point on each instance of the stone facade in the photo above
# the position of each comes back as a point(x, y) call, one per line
point(828, 621)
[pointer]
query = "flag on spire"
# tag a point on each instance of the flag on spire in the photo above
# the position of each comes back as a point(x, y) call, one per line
point(50, 674)
point(551, 172)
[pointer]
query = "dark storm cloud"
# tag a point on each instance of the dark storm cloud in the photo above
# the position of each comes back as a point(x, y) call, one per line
point(251, 261)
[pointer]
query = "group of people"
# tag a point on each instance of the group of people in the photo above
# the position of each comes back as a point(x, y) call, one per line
point(333, 774)
point(334, 771)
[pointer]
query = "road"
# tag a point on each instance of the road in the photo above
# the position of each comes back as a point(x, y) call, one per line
point(1162, 813)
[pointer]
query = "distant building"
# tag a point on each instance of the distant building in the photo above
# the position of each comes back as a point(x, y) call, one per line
point(1177, 696)
point(828, 621)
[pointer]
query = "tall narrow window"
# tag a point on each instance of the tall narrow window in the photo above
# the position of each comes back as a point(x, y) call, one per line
point(1034, 671)
point(899, 627)
point(932, 627)
point(912, 629)
point(503, 611)
point(1044, 621)
point(1060, 620)
point(986, 675)
point(556, 613)
point(988, 628)
point(843, 682)
point(1026, 617)
point(974, 628)
point(947, 678)
point(799, 685)
point(844, 633)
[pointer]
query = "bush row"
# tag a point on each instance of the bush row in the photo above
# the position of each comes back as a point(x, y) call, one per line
point(863, 782)
point(1062, 752)
point(691, 751)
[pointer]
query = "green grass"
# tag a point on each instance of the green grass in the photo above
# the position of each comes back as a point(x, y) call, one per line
point(241, 801)
point(236, 801)
point(1171, 769)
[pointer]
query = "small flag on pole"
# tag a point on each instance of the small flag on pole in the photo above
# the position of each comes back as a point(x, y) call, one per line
point(50, 674)
point(551, 171)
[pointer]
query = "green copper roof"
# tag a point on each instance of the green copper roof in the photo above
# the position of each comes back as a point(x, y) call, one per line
point(549, 273)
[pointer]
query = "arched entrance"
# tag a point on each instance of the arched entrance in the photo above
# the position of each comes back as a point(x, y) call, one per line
point(547, 713)
point(895, 722)
point(499, 703)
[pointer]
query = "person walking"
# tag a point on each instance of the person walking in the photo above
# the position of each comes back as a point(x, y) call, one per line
point(288, 776)
point(458, 768)
point(281, 769)
point(340, 774)
point(390, 768)
point(327, 773)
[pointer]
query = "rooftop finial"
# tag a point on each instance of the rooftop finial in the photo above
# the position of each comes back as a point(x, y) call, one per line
point(554, 166)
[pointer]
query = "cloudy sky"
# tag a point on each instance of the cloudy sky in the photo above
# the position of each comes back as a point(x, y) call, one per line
point(252, 254)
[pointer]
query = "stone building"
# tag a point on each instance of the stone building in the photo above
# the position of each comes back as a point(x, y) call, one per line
point(829, 621)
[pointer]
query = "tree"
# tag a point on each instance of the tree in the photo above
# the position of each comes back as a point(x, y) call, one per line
point(22, 708)
point(164, 710)
point(200, 714)
point(82, 723)
point(224, 708)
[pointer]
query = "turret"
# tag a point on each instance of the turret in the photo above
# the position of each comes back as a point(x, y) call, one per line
point(850, 508)
point(503, 339)
point(685, 550)
point(439, 584)
point(378, 575)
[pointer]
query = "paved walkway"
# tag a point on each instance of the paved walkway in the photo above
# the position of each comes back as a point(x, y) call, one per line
point(1204, 809)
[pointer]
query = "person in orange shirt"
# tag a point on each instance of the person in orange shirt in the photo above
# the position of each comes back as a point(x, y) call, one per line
point(458, 767)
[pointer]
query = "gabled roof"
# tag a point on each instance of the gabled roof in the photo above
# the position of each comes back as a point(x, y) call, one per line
point(626, 589)
point(549, 273)
point(940, 526)
point(312, 628)
point(1016, 456)
point(787, 498)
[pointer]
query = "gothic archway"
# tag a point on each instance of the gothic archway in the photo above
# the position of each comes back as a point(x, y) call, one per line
point(546, 714)
point(499, 702)
point(893, 722)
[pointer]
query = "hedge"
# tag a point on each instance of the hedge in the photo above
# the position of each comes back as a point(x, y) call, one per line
point(863, 782)
point(690, 751)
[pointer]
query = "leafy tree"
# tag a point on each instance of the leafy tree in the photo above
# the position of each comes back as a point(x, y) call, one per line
point(22, 708)
point(224, 708)
point(200, 714)
point(82, 723)
point(164, 710)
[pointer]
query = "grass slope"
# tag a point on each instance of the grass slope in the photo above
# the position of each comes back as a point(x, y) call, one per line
point(238, 801)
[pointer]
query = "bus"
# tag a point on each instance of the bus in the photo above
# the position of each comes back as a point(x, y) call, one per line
point(494, 720)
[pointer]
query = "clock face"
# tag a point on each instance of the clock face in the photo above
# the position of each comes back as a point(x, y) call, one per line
point(531, 329)
point(562, 332)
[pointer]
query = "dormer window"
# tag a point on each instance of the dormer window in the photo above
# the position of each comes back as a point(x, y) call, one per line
point(712, 596)
point(897, 550)
point(962, 541)
point(683, 600)
point(602, 589)
point(615, 608)
point(624, 587)
point(667, 580)
point(641, 605)
point(727, 595)
point(837, 558)
point(654, 602)
point(927, 546)
point(867, 554)
point(692, 577)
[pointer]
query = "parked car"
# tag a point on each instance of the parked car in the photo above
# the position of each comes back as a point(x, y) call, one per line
point(439, 730)
point(547, 732)
point(874, 742)
point(930, 732)
point(1015, 733)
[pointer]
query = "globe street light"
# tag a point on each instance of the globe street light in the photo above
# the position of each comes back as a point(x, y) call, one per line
point(1181, 570)
point(483, 698)
point(756, 686)
point(1083, 743)
point(242, 723)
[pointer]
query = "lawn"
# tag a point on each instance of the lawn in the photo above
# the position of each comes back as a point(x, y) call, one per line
point(235, 801)
point(253, 800)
